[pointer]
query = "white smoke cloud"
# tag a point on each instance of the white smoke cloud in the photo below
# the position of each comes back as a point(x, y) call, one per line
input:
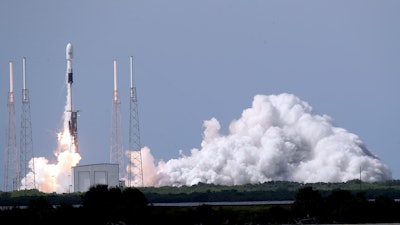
point(148, 167)
point(278, 138)
point(54, 177)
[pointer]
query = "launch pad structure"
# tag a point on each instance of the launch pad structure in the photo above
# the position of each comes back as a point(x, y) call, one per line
point(134, 152)
point(11, 170)
point(18, 164)
point(133, 174)
point(116, 147)
point(26, 143)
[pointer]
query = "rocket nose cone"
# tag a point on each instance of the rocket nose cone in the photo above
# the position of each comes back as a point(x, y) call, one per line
point(68, 51)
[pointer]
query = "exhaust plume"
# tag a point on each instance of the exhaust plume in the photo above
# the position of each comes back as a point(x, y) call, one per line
point(55, 177)
point(278, 138)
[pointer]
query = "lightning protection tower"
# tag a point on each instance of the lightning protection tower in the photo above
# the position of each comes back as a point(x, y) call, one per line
point(134, 154)
point(116, 154)
point(11, 174)
point(26, 143)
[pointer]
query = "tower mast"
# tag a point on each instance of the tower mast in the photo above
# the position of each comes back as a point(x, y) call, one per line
point(135, 155)
point(11, 173)
point(116, 154)
point(26, 143)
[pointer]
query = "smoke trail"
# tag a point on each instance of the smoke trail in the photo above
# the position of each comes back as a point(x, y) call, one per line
point(55, 177)
point(278, 138)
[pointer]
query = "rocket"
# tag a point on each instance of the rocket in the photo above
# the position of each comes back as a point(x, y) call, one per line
point(73, 120)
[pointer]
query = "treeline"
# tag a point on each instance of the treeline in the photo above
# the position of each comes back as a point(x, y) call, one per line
point(269, 191)
point(342, 206)
point(23, 198)
point(231, 195)
point(102, 205)
point(309, 207)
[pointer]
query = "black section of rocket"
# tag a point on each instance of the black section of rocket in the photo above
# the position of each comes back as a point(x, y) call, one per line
point(73, 120)
point(70, 81)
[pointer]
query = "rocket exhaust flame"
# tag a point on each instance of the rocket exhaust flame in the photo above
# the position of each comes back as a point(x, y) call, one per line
point(56, 177)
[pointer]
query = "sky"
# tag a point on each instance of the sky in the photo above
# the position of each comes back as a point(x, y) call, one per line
point(198, 60)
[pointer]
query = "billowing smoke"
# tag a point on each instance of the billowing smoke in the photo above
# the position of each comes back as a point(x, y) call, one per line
point(55, 177)
point(278, 138)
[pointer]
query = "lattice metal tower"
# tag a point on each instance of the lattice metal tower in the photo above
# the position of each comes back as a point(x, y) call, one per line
point(11, 174)
point(116, 151)
point(26, 143)
point(135, 156)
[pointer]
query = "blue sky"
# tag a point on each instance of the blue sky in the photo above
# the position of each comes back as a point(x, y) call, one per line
point(194, 60)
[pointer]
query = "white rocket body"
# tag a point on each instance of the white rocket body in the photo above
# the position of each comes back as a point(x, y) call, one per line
point(73, 120)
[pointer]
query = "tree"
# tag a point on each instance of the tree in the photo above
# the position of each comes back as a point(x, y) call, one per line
point(308, 204)
point(105, 204)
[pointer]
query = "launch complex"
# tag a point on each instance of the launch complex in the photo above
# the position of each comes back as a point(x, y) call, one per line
point(124, 168)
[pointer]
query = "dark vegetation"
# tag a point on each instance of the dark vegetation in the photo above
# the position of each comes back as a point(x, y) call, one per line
point(349, 202)
point(269, 191)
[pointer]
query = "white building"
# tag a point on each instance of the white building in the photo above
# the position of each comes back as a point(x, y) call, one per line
point(87, 176)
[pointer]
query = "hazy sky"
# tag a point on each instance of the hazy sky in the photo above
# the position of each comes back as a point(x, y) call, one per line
point(194, 60)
